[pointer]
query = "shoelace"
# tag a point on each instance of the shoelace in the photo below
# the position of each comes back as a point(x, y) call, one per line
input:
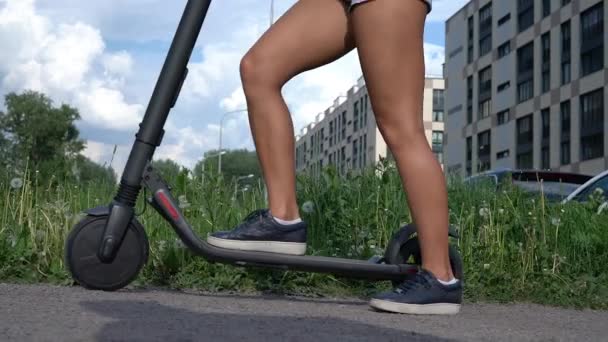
point(254, 214)
point(413, 283)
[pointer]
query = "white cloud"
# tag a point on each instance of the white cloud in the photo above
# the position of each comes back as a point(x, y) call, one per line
point(235, 101)
point(106, 107)
point(434, 57)
point(59, 59)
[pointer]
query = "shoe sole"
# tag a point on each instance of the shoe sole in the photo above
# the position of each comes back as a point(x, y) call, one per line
point(416, 309)
point(292, 248)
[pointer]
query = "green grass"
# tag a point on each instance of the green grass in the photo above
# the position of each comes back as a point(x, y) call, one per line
point(515, 247)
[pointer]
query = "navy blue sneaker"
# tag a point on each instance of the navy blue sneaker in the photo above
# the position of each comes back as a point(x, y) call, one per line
point(261, 233)
point(421, 294)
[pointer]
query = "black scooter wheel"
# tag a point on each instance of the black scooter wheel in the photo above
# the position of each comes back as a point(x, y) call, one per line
point(85, 267)
point(408, 252)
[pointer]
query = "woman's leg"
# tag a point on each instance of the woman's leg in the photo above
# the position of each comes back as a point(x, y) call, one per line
point(388, 35)
point(310, 34)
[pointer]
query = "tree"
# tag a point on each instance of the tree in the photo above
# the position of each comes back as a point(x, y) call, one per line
point(35, 132)
point(168, 169)
point(235, 163)
point(86, 170)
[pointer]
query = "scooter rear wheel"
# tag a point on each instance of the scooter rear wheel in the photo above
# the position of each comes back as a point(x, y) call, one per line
point(85, 267)
point(408, 252)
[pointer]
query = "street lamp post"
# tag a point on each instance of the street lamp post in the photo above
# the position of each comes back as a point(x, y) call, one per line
point(271, 12)
point(236, 183)
point(219, 162)
point(210, 156)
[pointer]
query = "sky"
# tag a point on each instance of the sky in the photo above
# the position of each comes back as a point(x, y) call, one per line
point(104, 57)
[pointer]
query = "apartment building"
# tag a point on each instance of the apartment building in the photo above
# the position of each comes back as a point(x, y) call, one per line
point(525, 86)
point(346, 136)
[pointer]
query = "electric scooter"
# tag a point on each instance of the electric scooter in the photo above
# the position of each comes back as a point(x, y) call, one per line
point(107, 249)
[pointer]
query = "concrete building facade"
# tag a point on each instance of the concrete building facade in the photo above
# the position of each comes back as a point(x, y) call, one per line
point(346, 135)
point(525, 86)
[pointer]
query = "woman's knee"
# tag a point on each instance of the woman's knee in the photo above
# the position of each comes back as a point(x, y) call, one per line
point(257, 71)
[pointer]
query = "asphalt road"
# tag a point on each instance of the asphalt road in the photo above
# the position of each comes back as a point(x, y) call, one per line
point(52, 313)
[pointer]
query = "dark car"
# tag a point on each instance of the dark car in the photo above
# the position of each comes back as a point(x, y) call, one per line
point(554, 185)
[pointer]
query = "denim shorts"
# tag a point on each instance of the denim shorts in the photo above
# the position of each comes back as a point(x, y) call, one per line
point(354, 2)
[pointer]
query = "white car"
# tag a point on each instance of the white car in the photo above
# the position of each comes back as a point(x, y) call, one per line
point(581, 194)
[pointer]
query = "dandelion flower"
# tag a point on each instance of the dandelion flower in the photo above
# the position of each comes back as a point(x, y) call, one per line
point(308, 207)
point(555, 221)
point(16, 183)
point(183, 202)
point(484, 212)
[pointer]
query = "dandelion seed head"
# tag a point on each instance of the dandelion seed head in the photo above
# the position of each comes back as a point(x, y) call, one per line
point(16, 183)
point(484, 212)
point(308, 207)
point(555, 221)
point(486, 266)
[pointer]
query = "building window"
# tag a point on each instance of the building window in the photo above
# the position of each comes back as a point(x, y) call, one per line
point(485, 92)
point(355, 116)
point(504, 49)
point(525, 14)
point(469, 99)
point(437, 142)
point(438, 103)
point(565, 2)
point(525, 72)
point(592, 39)
point(355, 154)
point(546, 62)
point(525, 137)
point(484, 150)
point(438, 115)
point(566, 52)
point(545, 158)
point(504, 19)
point(546, 8)
point(485, 29)
point(565, 132)
point(343, 125)
point(471, 22)
point(502, 154)
point(546, 123)
point(545, 117)
point(469, 155)
point(503, 86)
point(437, 139)
point(592, 124)
point(485, 108)
point(502, 117)
point(365, 149)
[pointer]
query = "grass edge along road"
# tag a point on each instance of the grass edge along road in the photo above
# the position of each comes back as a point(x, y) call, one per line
point(515, 247)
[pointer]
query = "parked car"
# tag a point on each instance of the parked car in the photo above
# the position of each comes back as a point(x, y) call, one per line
point(555, 185)
point(582, 193)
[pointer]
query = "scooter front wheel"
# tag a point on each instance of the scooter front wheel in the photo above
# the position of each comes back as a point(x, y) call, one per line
point(84, 265)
